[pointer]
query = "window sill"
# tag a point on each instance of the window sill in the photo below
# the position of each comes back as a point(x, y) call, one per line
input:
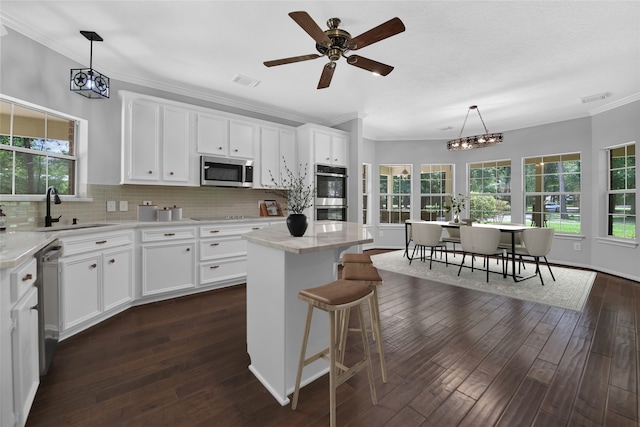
point(625, 243)
point(566, 236)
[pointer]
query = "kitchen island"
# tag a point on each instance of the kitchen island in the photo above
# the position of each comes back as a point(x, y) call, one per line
point(278, 267)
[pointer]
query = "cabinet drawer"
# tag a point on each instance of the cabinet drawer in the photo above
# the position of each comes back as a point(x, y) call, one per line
point(223, 247)
point(167, 234)
point(94, 242)
point(228, 230)
point(22, 279)
point(223, 270)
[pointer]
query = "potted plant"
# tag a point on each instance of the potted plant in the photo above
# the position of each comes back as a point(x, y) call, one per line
point(456, 205)
point(299, 195)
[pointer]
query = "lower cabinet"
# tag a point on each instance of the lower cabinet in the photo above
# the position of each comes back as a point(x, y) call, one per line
point(168, 260)
point(97, 278)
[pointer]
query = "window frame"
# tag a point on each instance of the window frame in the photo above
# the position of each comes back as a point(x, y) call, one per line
point(554, 207)
point(610, 212)
point(444, 196)
point(498, 214)
point(402, 214)
point(80, 146)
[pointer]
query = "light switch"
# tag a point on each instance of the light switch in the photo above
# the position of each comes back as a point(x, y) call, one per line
point(124, 206)
point(111, 206)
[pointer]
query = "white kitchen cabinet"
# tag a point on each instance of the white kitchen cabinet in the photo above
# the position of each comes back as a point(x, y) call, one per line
point(220, 135)
point(157, 145)
point(96, 278)
point(168, 260)
point(277, 147)
point(322, 145)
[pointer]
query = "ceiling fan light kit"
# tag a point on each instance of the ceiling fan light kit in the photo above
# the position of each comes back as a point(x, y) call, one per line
point(477, 141)
point(87, 81)
point(335, 43)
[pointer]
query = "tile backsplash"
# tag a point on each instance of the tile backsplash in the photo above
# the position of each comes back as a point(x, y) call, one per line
point(194, 201)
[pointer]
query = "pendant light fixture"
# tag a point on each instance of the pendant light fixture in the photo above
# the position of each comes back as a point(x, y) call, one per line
point(87, 81)
point(476, 141)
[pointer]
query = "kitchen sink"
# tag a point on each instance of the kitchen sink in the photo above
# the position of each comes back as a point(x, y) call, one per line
point(73, 226)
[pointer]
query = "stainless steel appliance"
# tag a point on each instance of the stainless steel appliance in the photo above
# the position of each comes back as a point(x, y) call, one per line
point(48, 304)
point(226, 172)
point(331, 193)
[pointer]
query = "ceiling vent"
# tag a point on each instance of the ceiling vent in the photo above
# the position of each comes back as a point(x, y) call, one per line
point(596, 97)
point(245, 81)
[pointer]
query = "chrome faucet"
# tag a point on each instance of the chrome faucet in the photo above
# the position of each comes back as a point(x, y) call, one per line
point(56, 199)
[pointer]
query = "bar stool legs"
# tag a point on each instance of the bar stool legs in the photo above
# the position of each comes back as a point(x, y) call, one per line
point(368, 275)
point(336, 298)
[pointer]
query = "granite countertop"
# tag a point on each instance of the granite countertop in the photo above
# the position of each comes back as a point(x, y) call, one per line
point(17, 246)
point(320, 235)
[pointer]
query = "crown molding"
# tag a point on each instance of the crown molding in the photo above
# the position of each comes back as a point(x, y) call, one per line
point(615, 104)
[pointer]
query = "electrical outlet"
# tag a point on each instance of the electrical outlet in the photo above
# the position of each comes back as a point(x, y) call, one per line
point(111, 206)
point(577, 247)
point(124, 206)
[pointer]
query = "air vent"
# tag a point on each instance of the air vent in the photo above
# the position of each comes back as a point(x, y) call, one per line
point(596, 97)
point(245, 81)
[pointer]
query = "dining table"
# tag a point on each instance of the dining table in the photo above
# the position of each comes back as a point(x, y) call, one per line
point(512, 229)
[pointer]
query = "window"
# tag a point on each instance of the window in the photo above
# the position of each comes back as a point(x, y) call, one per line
point(552, 191)
point(436, 184)
point(621, 209)
point(395, 193)
point(37, 149)
point(366, 189)
point(490, 191)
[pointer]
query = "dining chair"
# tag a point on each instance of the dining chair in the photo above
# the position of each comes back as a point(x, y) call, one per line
point(536, 244)
point(426, 235)
point(481, 241)
point(452, 236)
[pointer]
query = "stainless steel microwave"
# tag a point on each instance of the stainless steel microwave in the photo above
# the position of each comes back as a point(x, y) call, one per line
point(226, 172)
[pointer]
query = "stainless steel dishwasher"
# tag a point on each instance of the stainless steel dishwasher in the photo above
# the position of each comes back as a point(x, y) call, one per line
point(48, 304)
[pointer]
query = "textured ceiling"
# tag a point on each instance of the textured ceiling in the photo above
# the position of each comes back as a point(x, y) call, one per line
point(524, 63)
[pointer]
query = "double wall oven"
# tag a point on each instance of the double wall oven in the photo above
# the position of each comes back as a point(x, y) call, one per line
point(331, 193)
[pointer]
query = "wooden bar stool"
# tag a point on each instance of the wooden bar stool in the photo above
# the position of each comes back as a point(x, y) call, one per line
point(356, 259)
point(368, 275)
point(336, 298)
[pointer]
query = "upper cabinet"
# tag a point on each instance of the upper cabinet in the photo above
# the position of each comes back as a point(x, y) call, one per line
point(277, 149)
point(322, 145)
point(221, 136)
point(157, 144)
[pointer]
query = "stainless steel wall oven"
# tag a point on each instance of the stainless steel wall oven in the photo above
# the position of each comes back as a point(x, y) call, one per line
point(331, 193)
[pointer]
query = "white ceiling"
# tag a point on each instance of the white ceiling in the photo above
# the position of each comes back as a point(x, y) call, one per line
point(524, 63)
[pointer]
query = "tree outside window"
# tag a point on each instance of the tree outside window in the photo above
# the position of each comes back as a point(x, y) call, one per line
point(395, 193)
point(436, 186)
point(552, 191)
point(490, 191)
point(621, 205)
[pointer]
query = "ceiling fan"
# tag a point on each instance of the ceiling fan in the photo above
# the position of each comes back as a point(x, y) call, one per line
point(334, 43)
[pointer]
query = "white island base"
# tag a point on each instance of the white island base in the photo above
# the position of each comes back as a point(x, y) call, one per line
point(276, 272)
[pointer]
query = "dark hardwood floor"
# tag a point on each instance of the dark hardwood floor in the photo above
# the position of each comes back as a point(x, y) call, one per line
point(454, 357)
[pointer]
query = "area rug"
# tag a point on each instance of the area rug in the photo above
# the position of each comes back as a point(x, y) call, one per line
point(570, 289)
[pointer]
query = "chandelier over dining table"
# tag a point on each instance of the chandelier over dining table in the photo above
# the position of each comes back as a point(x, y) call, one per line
point(477, 141)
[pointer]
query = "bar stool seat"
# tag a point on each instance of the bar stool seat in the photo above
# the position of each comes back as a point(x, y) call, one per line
point(336, 298)
point(368, 275)
point(350, 258)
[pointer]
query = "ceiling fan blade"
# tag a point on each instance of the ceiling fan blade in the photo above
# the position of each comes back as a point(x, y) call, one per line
point(309, 25)
point(381, 32)
point(327, 74)
point(291, 60)
point(370, 65)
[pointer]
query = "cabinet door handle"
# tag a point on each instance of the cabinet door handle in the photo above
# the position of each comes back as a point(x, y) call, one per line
point(219, 148)
point(328, 158)
point(101, 242)
point(150, 172)
point(255, 228)
point(214, 231)
point(170, 173)
point(188, 249)
point(27, 277)
point(112, 261)
point(214, 266)
point(93, 265)
point(169, 234)
point(235, 150)
point(214, 244)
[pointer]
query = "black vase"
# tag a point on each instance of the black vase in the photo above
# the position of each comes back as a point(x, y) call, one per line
point(297, 224)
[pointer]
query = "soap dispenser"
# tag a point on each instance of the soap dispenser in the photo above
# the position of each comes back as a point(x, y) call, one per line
point(3, 221)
